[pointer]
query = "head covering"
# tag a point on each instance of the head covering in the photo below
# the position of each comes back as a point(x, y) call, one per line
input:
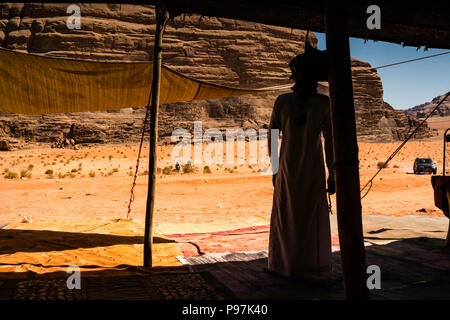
point(312, 63)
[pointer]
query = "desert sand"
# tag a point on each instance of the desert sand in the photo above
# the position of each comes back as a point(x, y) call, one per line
point(94, 184)
point(73, 194)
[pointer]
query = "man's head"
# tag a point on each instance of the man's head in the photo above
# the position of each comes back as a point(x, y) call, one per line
point(310, 66)
point(297, 68)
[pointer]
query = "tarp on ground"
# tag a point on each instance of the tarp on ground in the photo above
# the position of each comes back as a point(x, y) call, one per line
point(34, 84)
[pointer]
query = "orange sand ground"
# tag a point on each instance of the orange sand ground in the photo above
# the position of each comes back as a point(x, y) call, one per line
point(48, 247)
point(80, 210)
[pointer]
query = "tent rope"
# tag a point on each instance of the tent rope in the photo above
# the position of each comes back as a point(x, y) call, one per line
point(370, 182)
point(411, 60)
point(144, 127)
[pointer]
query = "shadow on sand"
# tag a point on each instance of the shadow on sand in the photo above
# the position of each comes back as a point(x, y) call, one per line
point(13, 240)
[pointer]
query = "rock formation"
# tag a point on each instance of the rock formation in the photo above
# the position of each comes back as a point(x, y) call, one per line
point(222, 51)
point(422, 110)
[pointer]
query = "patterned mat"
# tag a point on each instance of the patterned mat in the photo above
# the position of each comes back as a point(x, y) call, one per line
point(245, 239)
point(176, 286)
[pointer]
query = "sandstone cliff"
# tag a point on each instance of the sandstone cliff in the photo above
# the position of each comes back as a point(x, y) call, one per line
point(223, 51)
point(422, 110)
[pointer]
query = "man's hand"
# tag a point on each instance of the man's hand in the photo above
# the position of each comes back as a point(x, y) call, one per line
point(331, 185)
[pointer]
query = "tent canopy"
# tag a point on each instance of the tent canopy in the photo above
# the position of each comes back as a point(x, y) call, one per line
point(411, 23)
point(33, 84)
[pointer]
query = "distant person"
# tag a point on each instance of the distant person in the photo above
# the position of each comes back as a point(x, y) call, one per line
point(300, 238)
point(177, 167)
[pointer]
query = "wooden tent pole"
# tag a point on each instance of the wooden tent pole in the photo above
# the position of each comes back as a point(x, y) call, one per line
point(348, 199)
point(447, 198)
point(162, 16)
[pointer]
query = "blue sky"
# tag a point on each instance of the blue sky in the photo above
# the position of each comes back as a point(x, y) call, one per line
point(408, 84)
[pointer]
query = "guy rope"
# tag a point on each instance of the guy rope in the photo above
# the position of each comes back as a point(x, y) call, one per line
point(144, 127)
point(370, 182)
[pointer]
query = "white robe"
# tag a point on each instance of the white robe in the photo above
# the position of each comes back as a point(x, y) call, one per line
point(300, 239)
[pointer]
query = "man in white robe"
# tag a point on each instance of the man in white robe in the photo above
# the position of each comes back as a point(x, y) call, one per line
point(300, 238)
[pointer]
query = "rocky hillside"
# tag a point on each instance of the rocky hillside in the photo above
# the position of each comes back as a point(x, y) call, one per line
point(223, 51)
point(422, 110)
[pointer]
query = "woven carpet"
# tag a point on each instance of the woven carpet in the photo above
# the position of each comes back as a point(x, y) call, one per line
point(176, 286)
point(245, 239)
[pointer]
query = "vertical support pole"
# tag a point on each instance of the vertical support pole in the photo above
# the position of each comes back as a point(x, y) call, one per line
point(447, 198)
point(161, 17)
point(348, 200)
point(447, 190)
point(445, 142)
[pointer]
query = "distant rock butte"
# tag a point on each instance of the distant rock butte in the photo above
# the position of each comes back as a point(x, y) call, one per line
point(222, 51)
point(422, 110)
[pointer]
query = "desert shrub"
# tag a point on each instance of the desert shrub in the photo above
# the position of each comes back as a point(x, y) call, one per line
point(158, 170)
point(188, 168)
point(49, 171)
point(167, 170)
point(396, 166)
point(30, 167)
point(206, 169)
point(380, 165)
point(110, 157)
point(74, 170)
point(92, 173)
point(115, 170)
point(11, 175)
point(25, 174)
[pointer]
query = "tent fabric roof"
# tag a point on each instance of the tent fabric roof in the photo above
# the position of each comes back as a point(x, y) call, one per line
point(33, 84)
point(412, 23)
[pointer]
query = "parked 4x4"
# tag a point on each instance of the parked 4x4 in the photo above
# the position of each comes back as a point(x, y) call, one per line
point(424, 165)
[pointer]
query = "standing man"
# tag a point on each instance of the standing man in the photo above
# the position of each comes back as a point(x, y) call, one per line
point(300, 238)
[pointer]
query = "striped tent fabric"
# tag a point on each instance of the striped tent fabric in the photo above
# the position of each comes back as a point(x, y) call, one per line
point(34, 84)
